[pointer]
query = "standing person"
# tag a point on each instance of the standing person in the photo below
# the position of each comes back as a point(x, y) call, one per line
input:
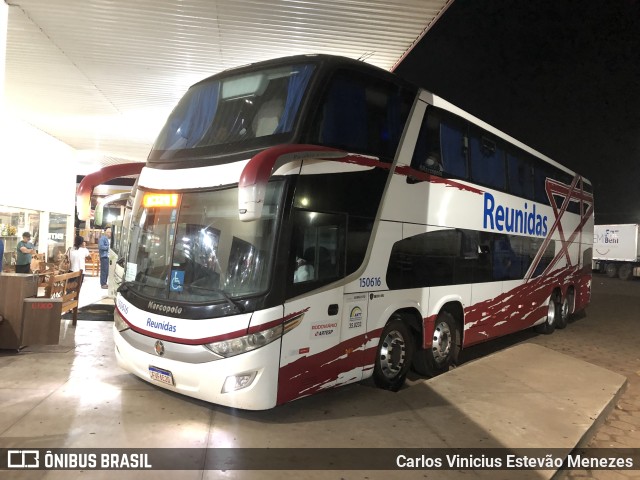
point(103, 250)
point(25, 250)
point(78, 255)
point(1, 253)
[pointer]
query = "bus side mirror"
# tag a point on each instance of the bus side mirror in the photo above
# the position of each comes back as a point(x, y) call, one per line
point(255, 175)
point(251, 201)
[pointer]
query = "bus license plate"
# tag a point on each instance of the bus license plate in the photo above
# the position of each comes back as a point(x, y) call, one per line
point(160, 375)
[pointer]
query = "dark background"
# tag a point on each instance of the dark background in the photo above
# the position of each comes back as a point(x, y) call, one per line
point(561, 76)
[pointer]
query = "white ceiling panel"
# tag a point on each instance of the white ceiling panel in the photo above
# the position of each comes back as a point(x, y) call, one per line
point(102, 75)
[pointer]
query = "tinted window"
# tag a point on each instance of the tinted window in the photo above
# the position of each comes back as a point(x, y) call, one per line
point(357, 195)
point(520, 170)
point(487, 159)
point(454, 146)
point(430, 259)
point(317, 247)
point(447, 145)
point(358, 235)
point(426, 156)
point(235, 112)
point(448, 257)
point(363, 114)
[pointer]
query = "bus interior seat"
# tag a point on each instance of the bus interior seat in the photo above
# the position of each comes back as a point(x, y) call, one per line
point(267, 117)
point(324, 266)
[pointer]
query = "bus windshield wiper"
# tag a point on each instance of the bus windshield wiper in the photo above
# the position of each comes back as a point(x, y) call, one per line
point(238, 306)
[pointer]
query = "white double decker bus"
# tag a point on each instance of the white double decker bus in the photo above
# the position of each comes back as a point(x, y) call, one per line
point(313, 221)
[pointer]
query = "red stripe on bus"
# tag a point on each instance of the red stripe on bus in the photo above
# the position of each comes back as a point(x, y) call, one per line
point(261, 166)
point(407, 171)
point(184, 341)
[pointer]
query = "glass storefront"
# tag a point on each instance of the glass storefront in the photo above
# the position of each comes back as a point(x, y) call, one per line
point(49, 233)
point(13, 222)
point(57, 237)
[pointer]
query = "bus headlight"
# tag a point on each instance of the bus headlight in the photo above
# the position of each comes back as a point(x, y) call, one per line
point(236, 346)
point(118, 322)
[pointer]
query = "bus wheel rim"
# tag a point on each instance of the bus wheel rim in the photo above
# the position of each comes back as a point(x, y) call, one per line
point(565, 309)
point(441, 346)
point(392, 354)
point(551, 312)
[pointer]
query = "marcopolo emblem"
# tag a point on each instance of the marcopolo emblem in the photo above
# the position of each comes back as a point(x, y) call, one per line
point(159, 348)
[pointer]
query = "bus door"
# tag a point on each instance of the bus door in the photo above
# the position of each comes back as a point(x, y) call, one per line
point(312, 354)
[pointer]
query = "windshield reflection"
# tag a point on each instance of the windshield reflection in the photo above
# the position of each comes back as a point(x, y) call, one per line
point(198, 250)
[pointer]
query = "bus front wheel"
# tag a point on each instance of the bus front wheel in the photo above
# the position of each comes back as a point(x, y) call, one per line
point(394, 355)
point(444, 349)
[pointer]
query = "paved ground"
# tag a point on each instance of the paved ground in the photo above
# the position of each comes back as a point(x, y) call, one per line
point(72, 397)
point(607, 335)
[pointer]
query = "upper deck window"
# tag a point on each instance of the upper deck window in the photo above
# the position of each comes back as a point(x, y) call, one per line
point(362, 114)
point(235, 112)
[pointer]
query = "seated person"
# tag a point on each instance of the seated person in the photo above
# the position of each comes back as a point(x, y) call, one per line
point(304, 272)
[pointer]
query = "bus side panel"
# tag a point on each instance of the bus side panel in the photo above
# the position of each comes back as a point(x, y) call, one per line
point(314, 356)
point(372, 282)
point(583, 289)
point(524, 305)
point(354, 326)
point(483, 318)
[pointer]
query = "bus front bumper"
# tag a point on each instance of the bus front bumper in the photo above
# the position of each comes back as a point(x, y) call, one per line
point(214, 381)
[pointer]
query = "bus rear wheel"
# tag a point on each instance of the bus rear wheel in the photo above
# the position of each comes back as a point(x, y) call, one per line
point(566, 309)
point(444, 349)
point(553, 314)
point(394, 355)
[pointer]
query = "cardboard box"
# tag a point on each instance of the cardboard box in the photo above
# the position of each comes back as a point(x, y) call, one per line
point(14, 288)
point(41, 318)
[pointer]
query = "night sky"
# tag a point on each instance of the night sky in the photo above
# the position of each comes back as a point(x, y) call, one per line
point(561, 76)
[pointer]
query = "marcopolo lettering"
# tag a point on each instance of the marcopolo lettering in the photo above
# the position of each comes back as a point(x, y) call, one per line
point(159, 307)
point(512, 220)
point(166, 326)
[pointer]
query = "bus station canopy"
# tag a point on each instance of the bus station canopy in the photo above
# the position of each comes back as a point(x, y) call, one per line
point(102, 76)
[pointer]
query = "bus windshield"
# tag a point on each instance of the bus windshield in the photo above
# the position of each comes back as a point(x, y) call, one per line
point(196, 250)
point(235, 112)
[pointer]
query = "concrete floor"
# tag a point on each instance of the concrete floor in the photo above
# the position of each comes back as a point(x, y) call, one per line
point(73, 395)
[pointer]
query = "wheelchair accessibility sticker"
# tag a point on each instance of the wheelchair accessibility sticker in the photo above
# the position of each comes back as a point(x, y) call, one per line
point(177, 280)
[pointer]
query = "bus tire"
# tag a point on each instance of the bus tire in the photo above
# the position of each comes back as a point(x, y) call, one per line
point(394, 355)
point(553, 314)
point(566, 309)
point(611, 270)
point(443, 351)
point(625, 272)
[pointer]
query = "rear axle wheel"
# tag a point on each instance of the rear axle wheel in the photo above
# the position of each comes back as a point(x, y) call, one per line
point(443, 350)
